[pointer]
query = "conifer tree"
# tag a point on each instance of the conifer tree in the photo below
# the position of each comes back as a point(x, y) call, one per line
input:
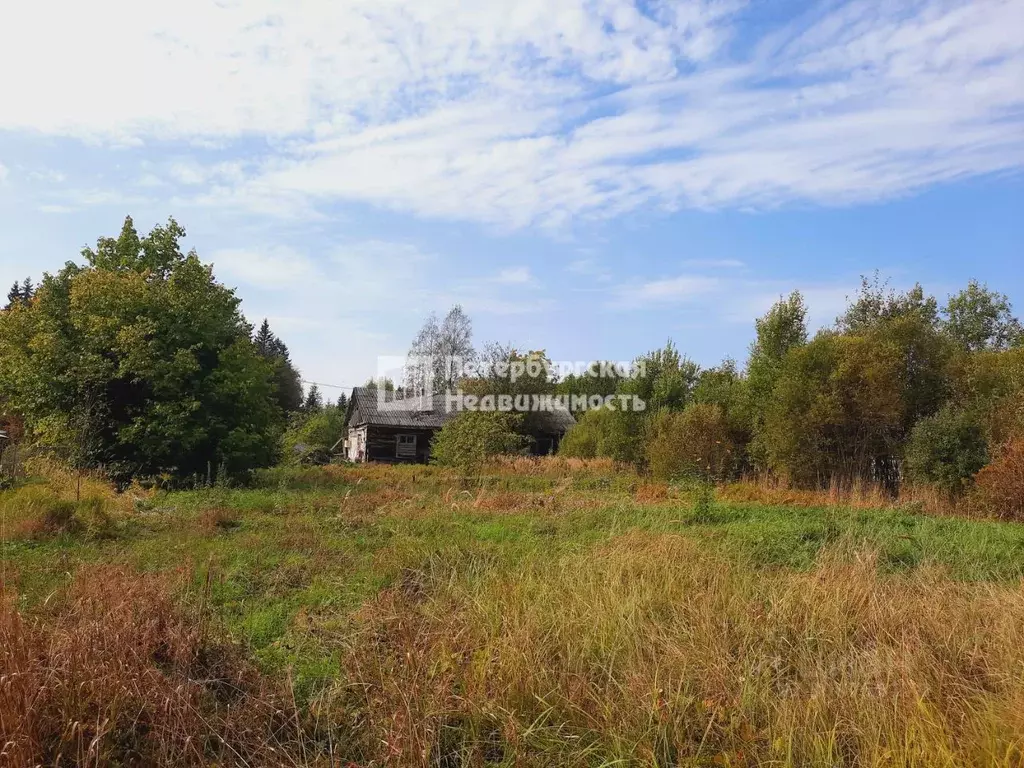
point(13, 296)
point(286, 377)
point(314, 400)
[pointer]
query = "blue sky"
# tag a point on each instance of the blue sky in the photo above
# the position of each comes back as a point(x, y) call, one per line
point(590, 177)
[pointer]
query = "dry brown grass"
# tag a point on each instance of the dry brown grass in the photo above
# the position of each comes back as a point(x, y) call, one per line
point(651, 493)
point(216, 519)
point(653, 652)
point(117, 673)
point(858, 495)
point(373, 502)
point(552, 466)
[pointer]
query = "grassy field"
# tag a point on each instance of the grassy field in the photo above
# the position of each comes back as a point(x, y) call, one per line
point(545, 613)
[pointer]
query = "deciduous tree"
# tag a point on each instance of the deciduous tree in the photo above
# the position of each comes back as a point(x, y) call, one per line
point(142, 362)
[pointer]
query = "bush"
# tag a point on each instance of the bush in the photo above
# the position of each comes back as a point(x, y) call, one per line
point(606, 433)
point(695, 442)
point(947, 450)
point(1000, 485)
point(473, 437)
point(310, 438)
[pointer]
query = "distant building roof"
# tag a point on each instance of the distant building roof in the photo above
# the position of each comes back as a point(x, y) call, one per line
point(420, 413)
point(430, 412)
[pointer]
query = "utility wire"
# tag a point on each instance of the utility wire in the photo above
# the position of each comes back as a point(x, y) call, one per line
point(331, 386)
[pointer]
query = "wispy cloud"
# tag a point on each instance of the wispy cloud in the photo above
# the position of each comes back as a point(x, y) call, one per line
point(514, 276)
point(523, 112)
point(278, 267)
point(672, 290)
point(714, 263)
point(588, 267)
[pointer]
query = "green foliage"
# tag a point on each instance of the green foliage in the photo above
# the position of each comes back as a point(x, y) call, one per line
point(781, 329)
point(310, 437)
point(501, 378)
point(979, 319)
point(591, 383)
point(843, 405)
point(947, 449)
point(37, 512)
point(704, 503)
point(472, 437)
point(667, 381)
point(140, 362)
point(384, 383)
point(836, 409)
point(20, 294)
point(286, 378)
point(314, 401)
point(693, 443)
point(877, 302)
point(725, 387)
point(604, 432)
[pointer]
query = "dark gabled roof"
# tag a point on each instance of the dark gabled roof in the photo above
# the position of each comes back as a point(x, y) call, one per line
point(418, 413)
point(431, 412)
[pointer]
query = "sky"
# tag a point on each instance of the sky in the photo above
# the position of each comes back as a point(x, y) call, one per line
point(589, 177)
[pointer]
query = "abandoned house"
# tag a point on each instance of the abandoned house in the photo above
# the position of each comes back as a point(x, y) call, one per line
point(398, 431)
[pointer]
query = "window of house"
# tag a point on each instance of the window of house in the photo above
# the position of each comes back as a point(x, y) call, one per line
point(406, 445)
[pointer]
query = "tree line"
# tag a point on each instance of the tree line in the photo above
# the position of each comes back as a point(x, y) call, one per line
point(897, 390)
point(138, 361)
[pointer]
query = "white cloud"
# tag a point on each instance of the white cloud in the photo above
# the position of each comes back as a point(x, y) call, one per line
point(190, 173)
point(588, 267)
point(514, 276)
point(519, 112)
point(668, 290)
point(736, 299)
point(714, 263)
point(47, 176)
point(824, 302)
point(275, 267)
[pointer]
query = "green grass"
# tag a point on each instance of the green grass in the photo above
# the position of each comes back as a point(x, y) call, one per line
point(295, 564)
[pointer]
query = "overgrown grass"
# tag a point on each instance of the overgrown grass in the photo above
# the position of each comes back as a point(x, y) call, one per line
point(551, 612)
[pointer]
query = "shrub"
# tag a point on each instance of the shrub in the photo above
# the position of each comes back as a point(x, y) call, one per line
point(947, 450)
point(310, 437)
point(605, 433)
point(1000, 485)
point(473, 437)
point(695, 442)
point(584, 439)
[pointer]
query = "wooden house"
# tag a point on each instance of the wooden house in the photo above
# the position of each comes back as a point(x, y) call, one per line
point(401, 431)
